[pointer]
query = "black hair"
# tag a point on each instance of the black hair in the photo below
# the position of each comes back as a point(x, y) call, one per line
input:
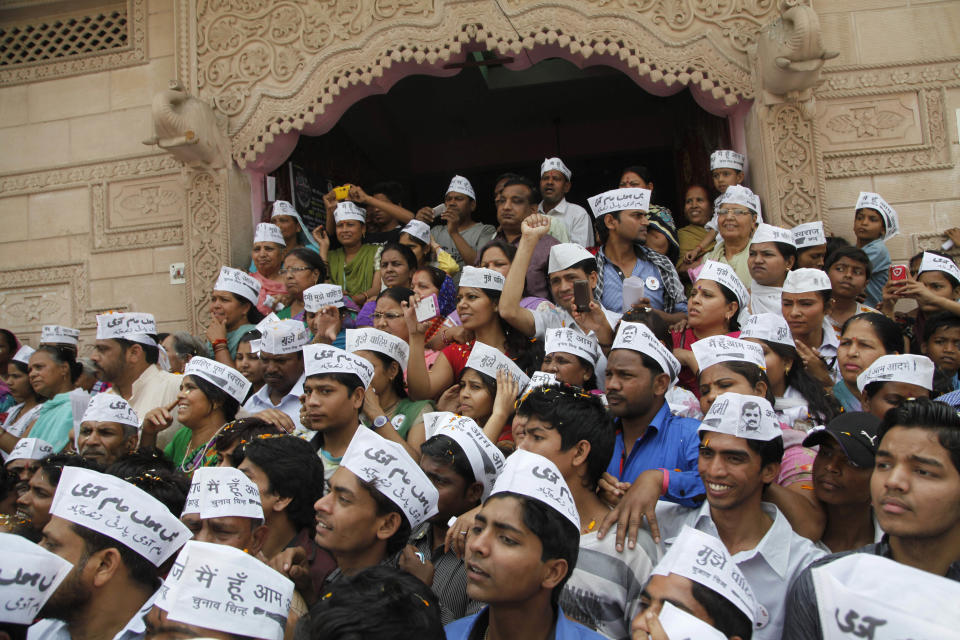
point(253, 334)
point(142, 461)
point(403, 250)
point(185, 345)
point(489, 382)
point(11, 340)
point(293, 470)
point(576, 416)
point(641, 171)
point(243, 430)
point(397, 382)
point(507, 176)
point(25, 370)
point(228, 404)
point(821, 407)
point(140, 570)
point(888, 331)
point(378, 603)
point(527, 353)
point(559, 537)
point(853, 253)
point(350, 380)
point(533, 198)
point(9, 480)
point(437, 275)
point(446, 451)
point(924, 413)
point(52, 466)
point(587, 265)
point(508, 249)
point(312, 259)
point(734, 323)
point(771, 451)
point(392, 189)
point(385, 506)
point(64, 354)
point(751, 372)
point(728, 619)
point(169, 487)
point(151, 353)
point(942, 320)
point(785, 250)
point(397, 294)
point(950, 278)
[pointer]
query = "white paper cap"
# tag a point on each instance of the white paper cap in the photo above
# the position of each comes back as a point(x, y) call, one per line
point(637, 336)
point(716, 349)
point(23, 354)
point(322, 295)
point(908, 368)
point(216, 587)
point(487, 360)
point(321, 359)
point(418, 229)
point(284, 208)
point(29, 449)
point(269, 319)
point(482, 278)
point(565, 255)
point(541, 379)
point(769, 233)
point(223, 492)
point(700, 557)
point(56, 334)
point(347, 210)
point(370, 339)
point(866, 595)
point(459, 184)
point(568, 340)
point(725, 275)
point(267, 232)
point(771, 327)
point(30, 575)
point(109, 407)
point(806, 280)
point(238, 282)
point(136, 327)
point(727, 159)
point(119, 510)
point(749, 417)
point(390, 469)
point(223, 377)
point(933, 262)
point(631, 199)
point(485, 458)
point(284, 336)
point(677, 623)
point(532, 475)
point(739, 194)
point(555, 164)
point(809, 234)
point(891, 221)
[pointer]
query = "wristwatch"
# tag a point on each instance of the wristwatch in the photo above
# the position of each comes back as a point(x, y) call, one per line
point(379, 421)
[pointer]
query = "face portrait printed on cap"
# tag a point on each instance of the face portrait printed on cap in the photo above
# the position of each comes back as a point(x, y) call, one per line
point(810, 234)
point(223, 492)
point(267, 232)
point(319, 296)
point(485, 458)
point(284, 208)
point(565, 255)
point(29, 449)
point(283, 337)
point(637, 336)
point(533, 476)
point(56, 334)
point(933, 262)
point(320, 359)
point(23, 354)
point(238, 282)
point(701, 557)
point(769, 233)
point(739, 194)
point(555, 164)
point(220, 588)
point(771, 327)
point(565, 340)
point(631, 199)
point(489, 361)
point(743, 416)
point(806, 280)
point(716, 349)
point(459, 184)
point(223, 377)
point(30, 575)
point(908, 368)
point(482, 278)
point(727, 159)
point(418, 229)
point(370, 339)
point(136, 327)
point(109, 407)
point(119, 510)
point(891, 221)
point(389, 468)
point(347, 210)
point(724, 274)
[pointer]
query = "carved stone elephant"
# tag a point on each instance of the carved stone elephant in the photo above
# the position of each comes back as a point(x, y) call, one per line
point(187, 127)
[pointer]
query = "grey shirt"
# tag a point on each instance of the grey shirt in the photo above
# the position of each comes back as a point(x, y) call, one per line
point(476, 236)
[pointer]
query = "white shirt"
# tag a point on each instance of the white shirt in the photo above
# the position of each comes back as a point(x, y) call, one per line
point(289, 404)
point(155, 388)
point(770, 567)
point(579, 223)
point(764, 299)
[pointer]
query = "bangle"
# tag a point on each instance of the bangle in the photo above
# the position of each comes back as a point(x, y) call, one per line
point(219, 346)
point(443, 337)
point(666, 482)
point(219, 341)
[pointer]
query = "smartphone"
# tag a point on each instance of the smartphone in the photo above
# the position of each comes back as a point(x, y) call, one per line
point(428, 308)
point(898, 272)
point(582, 295)
point(438, 211)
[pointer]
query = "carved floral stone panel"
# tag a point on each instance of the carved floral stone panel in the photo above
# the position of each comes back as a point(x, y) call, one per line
point(871, 123)
point(136, 203)
point(23, 309)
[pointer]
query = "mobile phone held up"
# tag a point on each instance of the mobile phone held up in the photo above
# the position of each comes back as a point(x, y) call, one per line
point(428, 308)
point(898, 272)
point(581, 295)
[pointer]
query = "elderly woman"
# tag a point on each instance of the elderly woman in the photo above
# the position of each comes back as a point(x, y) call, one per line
point(737, 215)
point(268, 251)
point(301, 270)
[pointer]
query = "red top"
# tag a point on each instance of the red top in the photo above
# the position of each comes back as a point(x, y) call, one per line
point(457, 355)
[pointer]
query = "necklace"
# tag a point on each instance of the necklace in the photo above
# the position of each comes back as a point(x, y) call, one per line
point(199, 454)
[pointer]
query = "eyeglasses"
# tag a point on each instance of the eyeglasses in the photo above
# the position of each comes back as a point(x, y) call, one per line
point(285, 270)
point(377, 315)
point(736, 212)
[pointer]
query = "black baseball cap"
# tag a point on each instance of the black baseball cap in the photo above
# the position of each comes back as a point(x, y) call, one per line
point(855, 432)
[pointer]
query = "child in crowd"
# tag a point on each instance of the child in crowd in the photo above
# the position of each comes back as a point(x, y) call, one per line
point(726, 169)
point(941, 343)
point(874, 223)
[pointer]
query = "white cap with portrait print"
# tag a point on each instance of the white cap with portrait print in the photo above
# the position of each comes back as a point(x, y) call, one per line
point(555, 164)
point(638, 337)
point(743, 416)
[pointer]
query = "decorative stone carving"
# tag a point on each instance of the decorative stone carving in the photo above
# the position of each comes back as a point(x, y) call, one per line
point(44, 292)
point(206, 243)
point(795, 157)
point(187, 127)
point(860, 123)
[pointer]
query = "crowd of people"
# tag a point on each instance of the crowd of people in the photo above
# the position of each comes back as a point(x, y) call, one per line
point(603, 422)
